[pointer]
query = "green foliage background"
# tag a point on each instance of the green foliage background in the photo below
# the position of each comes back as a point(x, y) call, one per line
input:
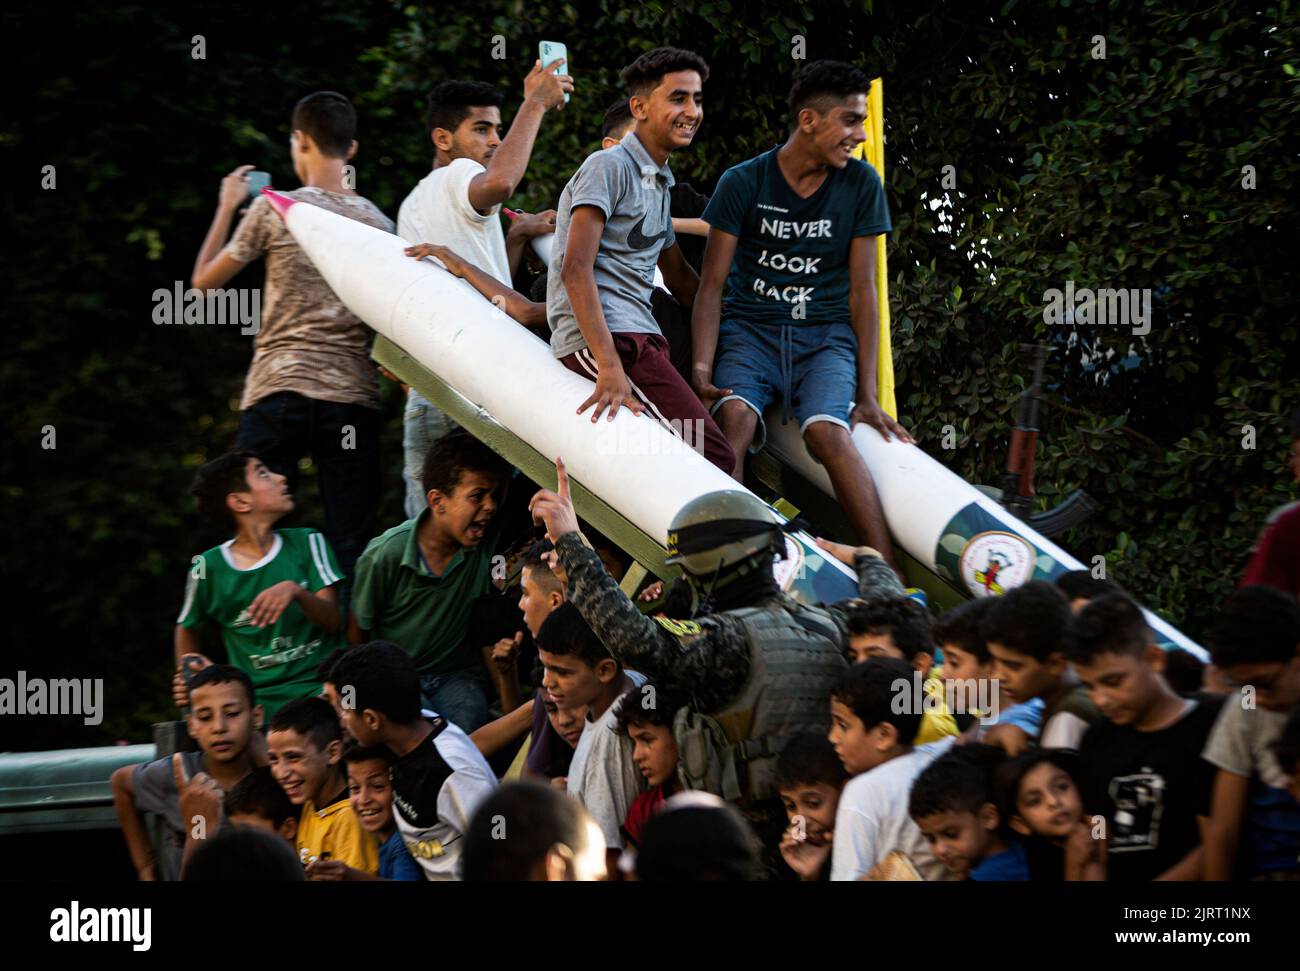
point(1123, 172)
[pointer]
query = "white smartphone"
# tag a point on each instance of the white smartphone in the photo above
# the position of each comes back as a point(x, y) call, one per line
point(549, 52)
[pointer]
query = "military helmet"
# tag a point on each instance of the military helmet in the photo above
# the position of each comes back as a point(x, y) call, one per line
point(721, 530)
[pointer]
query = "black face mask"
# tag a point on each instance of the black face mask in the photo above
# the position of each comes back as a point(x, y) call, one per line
point(743, 585)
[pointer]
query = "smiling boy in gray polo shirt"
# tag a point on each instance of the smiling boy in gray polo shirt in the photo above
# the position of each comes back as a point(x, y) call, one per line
point(613, 227)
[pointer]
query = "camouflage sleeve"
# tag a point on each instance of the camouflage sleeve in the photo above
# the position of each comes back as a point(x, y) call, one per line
point(876, 581)
point(876, 578)
point(709, 659)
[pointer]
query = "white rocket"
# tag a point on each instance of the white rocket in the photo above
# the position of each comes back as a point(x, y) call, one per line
point(639, 468)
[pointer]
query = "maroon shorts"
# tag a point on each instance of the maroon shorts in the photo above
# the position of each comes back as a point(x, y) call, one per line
point(666, 396)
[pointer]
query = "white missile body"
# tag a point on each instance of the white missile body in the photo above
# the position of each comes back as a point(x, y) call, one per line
point(495, 362)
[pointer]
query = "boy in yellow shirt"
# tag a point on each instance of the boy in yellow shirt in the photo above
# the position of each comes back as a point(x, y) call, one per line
point(305, 746)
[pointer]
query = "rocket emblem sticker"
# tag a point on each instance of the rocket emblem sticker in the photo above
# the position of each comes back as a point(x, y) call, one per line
point(994, 562)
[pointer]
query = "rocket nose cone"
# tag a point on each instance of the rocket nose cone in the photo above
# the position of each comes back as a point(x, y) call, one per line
point(280, 202)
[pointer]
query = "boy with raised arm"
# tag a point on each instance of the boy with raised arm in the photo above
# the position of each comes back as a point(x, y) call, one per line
point(311, 375)
point(613, 227)
point(457, 206)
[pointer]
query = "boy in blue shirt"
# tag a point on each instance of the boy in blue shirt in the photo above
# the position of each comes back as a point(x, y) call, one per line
point(792, 235)
point(371, 792)
point(982, 710)
point(954, 804)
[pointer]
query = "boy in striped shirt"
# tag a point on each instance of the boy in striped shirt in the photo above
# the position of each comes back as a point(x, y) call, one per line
point(273, 592)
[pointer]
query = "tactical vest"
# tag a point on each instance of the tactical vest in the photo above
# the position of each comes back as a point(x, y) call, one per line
point(795, 660)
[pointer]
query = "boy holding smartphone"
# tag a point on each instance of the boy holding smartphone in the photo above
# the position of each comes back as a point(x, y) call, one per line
point(456, 205)
point(311, 378)
point(613, 227)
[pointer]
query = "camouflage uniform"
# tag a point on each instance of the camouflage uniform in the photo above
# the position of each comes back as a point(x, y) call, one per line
point(706, 658)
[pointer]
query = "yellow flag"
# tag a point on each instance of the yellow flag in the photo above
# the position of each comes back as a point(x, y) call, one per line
point(872, 151)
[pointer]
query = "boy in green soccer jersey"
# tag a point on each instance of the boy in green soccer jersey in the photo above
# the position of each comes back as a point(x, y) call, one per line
point(273, 592)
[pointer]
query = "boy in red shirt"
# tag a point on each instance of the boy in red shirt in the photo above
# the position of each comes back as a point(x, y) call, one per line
point(646, 717)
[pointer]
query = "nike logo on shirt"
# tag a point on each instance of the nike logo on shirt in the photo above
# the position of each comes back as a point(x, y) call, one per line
point(636, 240)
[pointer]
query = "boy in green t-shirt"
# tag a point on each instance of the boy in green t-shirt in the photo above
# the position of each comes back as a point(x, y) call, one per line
point(415, 583)
point(273, 592)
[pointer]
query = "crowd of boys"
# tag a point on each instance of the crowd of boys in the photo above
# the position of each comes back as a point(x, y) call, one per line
point(456, 698)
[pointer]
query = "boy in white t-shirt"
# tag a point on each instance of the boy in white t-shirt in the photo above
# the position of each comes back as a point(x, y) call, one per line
point(580, 671)
point(874, 831)
point(457, 205)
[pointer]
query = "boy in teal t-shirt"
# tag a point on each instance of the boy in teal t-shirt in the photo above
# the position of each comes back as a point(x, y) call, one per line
point(273, 592)
point(786, 310)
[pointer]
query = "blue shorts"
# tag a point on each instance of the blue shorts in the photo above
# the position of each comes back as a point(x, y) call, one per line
point(819, 379)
